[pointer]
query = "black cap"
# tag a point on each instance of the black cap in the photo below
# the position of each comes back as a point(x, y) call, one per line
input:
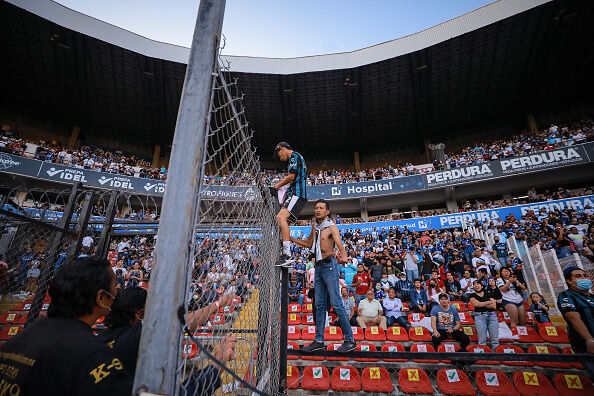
point(281, 144)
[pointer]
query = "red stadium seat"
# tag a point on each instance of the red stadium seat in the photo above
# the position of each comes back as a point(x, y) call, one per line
point(393, 347)
point(376, 379)
point(9, 331)
point(530, 383)
point(569, 351)
point(307, 319)
point(307, 308)
point(423, 348)
point(503, 317)
point(24, 306)
point(470, 331)
point(466, 318)
point(333, 333)
point(460, 306)
point(294, 308)
point(547, 349)
point(512, 349)
point(227, 309)
point(448, 348)
point(307, 300)
point(236, 300)
point(314, 358)
point(294, 346)
point(454, 382)
point(217, 319)
point(494, 383)
point(470, 306)
point(357, 333)
point(294, 319)
point(293, 333)
point(315, 378)
point(203, 331)
point(292, 377)
point(308, 333)
point(190, 349)
point(375, 333)
point(474, 348)
point(405, 307)
point(332, 347)
point(12, 318)
point(526, 334)
point(530, 317)
point(396, 333)
point(346, 379)
point(573, 384)
point(365, 346)
point(415, 317)
point(414, 380)
point(333, 317)
point(419, 333)
point(553, 334)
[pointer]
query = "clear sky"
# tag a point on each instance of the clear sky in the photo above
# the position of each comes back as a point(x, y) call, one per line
point(281, 28)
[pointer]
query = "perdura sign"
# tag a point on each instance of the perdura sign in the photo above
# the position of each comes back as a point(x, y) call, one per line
point(509, 166)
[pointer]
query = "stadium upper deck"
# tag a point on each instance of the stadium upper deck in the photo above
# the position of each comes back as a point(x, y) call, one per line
point(483, 71)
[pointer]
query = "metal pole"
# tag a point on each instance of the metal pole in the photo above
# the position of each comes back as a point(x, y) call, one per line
point(546, 270)
point(578, 262)
point(284, 328)
point(161, 335)
point(81, 225)
point(525, 245)
point(50, 262)
point(559, 269)
point(107, 223)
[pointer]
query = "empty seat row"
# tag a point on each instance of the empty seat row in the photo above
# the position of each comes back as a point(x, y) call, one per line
point(449, 381)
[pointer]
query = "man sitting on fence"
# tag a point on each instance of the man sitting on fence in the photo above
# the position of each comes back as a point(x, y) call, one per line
point(370, 311)
point(445, 323)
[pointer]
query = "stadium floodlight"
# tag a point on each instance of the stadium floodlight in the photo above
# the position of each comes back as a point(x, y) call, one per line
point(212, 141)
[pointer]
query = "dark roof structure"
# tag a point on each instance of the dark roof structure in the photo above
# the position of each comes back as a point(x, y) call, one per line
point(537, 61)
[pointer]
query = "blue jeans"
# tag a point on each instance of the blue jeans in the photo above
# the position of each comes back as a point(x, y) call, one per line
point(300, 299)
point(390, 320)
point(487, 321)
point(504, 261)
point(411, 275)
point(326, 285)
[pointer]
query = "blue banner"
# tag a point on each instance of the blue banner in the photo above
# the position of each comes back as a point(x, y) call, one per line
point(457, 219)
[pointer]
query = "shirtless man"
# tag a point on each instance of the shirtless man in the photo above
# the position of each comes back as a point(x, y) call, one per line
point(323, 238)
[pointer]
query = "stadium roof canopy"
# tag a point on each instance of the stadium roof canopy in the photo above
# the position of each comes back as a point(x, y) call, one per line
point(483, 70)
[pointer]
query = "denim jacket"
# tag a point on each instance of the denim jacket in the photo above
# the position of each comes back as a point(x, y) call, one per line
point(416, 296)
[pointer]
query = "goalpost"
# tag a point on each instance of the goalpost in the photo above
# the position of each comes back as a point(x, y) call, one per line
point(215, 205)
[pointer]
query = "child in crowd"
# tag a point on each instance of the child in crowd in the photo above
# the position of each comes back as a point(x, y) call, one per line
point(539, 308)
point(379, 293)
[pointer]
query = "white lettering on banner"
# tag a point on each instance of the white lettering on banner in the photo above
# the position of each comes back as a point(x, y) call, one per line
point(459, 173)
point(457, 220)
point(575, 204)
point(369, 189)
point(540, 160)
point(67, 174)
point(116, 181)
point(156, 187)
point(6, 162)
point(336, 191)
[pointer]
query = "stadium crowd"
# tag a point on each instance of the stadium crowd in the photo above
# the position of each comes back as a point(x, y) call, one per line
point(103, 160)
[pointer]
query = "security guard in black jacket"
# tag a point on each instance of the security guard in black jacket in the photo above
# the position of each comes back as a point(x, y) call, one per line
point(59, 355)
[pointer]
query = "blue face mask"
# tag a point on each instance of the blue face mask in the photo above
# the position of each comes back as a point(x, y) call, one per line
point(584, 284)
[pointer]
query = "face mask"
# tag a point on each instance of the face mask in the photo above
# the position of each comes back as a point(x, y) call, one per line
point(195, 297)
point(584, 284)
point(403, 279)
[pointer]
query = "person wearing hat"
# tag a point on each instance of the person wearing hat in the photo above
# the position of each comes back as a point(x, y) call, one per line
point(577, 306)
point(295, 198)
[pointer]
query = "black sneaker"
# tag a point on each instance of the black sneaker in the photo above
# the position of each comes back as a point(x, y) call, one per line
point(314, 346)
point(347, 346)
point(285, 261)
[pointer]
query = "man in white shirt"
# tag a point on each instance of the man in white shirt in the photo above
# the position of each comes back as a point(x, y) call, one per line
point(370, 311)
point(123, 244)
point(466, 285)
point(87, 242)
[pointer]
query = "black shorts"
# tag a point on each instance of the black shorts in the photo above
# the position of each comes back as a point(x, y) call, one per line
point(294, 205)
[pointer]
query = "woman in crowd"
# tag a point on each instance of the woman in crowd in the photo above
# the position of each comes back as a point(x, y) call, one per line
point(485, 315)
point(511, 291)
point(539, 308)
point(494, 292)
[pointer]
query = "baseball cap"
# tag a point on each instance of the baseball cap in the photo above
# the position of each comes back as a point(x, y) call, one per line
point(567, 271)
point(280, 145)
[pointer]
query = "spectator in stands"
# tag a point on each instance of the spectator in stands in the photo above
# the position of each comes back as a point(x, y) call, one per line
point(379, 294)
point(452, 287)
point(456, 264)
point(403, 287)
point(501, 253)
point(370, 311)
point(539, 308)
point(393, 307)
point(513, 302)
point(485, 315)
point(299, 271)
point(33, 273)
point(410, 264)
point(295, 292)
point(494, 292)
point(135, 276)
point(466, 285)
point(59, 354)
point(349, 306)
point(445, 323)
point(418, 298)
point(577, 306)
point(361, 283)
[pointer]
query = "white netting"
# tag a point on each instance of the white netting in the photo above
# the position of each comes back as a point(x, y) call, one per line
point(235, 246)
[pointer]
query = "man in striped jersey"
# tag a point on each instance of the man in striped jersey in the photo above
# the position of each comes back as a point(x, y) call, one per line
point(295, 198)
